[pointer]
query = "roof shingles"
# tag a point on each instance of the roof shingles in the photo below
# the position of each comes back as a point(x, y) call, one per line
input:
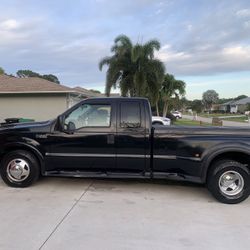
point(10, 84)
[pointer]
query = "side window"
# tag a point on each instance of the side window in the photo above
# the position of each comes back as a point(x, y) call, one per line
point(89, 115)
point(130, 115)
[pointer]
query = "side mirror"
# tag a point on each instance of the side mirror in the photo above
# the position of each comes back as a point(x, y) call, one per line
point(60, 121)
point(71, 127)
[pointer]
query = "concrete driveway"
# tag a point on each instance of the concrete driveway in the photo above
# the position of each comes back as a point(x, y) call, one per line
point(61, 213)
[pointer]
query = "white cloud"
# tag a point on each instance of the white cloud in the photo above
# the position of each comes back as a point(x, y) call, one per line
point(243, 13)
point(159, 11)
point(189, 27)
point(205, 59)
point(9, 24)
point(167, 54)
point(247, 24)
point(237, 51)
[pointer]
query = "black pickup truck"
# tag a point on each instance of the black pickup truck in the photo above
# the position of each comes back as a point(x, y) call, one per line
point(114, 137)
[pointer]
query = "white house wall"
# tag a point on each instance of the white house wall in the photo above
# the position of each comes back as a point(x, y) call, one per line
point(38, 107)
point(233, 109)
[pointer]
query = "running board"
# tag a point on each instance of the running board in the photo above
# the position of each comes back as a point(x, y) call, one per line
point(82, 174)
point(124, 175)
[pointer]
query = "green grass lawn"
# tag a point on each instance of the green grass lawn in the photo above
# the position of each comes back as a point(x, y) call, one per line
point(186, 122)
point(236, 119)
point(215, 115)
point(242, 118)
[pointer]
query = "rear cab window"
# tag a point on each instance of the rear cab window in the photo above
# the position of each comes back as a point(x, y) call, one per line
point(130, 115)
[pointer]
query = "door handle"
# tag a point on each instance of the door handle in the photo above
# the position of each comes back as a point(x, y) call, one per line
point(111, 139)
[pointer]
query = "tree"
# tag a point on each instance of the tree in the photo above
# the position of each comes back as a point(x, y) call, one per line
point(209, 98)
point(30, 73)
point(134, 69)
point(240, 97)
point(197, 105)
point(51, 78)
point(224, 100)
point(27, 73)
point(171, 91)
point(95, 91)
point(183, 104)
point(2, 71)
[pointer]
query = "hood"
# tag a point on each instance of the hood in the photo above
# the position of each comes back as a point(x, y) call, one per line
point(160, 118)
point(26, 126)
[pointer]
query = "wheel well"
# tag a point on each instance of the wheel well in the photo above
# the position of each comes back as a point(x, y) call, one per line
point(157, 122)
point(241, 157)
point(14, 148)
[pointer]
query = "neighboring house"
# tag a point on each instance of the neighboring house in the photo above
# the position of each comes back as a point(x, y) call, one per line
point(215, 107)
point(36, 98)
point(88, 92)
point(226, 107)
point(238, 106)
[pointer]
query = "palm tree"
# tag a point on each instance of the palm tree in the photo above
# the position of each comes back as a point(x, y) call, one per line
point(172, 90)
point(134, 69)
point(1, 71)
point(119, 67)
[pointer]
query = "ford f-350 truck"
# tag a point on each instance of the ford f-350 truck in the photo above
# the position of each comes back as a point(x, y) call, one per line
point(114, 138)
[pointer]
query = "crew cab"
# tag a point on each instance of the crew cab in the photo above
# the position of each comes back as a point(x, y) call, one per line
point(114, 138)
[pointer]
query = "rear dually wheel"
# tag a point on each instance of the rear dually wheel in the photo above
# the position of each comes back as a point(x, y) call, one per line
point(229, 181)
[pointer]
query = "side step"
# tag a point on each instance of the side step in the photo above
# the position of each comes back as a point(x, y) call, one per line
point(83, 174)
point(141, 175)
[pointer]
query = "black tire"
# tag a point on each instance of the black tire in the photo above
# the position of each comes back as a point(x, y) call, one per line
point(19, 159)
point(219, 179)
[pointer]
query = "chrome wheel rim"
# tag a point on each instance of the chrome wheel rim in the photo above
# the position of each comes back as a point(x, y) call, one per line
point(231, 183)
point(18, 170)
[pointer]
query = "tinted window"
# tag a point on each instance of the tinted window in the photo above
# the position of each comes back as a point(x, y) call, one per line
point(90, 115)
point(130, 115)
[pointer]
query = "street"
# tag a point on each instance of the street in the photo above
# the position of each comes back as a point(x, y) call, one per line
point(225, 123)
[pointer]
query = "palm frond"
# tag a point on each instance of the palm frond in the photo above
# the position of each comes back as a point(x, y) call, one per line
point(136, 52)
point(123, 40)
point(150, 47)
point(105, 61)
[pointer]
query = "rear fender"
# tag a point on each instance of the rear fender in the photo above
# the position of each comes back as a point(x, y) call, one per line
point(211, 154)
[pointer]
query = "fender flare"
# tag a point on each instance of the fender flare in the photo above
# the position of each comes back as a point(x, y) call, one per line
point(220, 149)
point(23, 145)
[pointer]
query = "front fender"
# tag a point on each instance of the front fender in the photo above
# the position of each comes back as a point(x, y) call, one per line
point(34, 148)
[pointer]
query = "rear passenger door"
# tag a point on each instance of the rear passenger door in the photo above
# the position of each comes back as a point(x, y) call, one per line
point(131, 136)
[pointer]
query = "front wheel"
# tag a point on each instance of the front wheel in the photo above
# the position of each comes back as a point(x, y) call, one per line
point(229, 181)
point(19, 169)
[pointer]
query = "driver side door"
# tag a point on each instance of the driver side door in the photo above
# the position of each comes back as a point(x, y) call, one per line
point(91, 145)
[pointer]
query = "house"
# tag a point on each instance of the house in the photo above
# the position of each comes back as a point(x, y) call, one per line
point(36, 98)
point(226, 107)
point(215, 107)
point(88, 92)
point(238, 106)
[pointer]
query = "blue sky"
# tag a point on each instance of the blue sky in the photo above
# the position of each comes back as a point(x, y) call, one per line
point(204, 43)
